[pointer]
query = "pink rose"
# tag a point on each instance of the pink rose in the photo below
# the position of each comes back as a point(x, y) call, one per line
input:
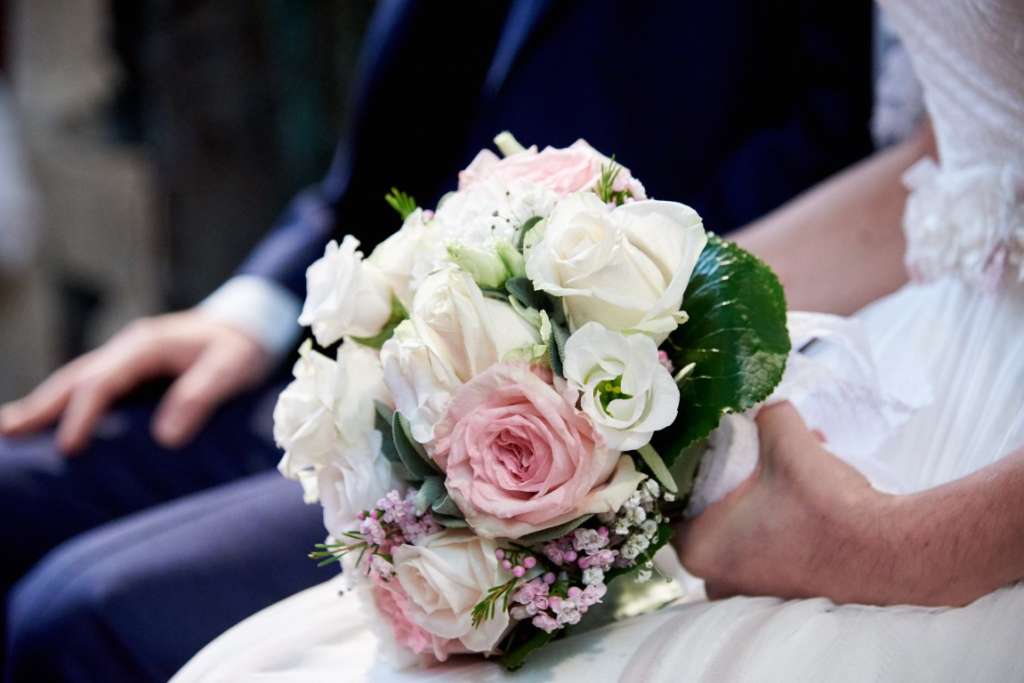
point(519, 457)
point(394, 606)
point(563, 171)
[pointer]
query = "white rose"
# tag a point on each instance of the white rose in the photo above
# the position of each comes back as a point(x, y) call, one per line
point(325, 418)
point(354, 482)
point(345, 296)
point(453, 334)
point(444, 576)
point(402, 257)
point(625, 267)
point(627, 393)
point(304, 425)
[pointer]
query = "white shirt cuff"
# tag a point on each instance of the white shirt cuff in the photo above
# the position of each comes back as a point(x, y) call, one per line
point(259, 307)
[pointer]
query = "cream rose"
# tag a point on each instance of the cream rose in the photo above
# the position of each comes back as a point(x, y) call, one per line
point(353, 483)
point(519, 457)
point(625, 390)
point(324, 422)
point(400, 259)
point(625, 267)
point(345, 296)
point(453, 334)
point(444, 576)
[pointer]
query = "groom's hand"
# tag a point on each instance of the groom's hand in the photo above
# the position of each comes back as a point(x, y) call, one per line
point(211, 360)
point(804, 524)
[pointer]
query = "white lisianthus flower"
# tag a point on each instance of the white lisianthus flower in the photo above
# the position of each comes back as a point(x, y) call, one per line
point(345, 296)
point(625, 267)
point(324, 421)
point(453, 334)
point(625, 390)
point(400, 258)
point(444, 576)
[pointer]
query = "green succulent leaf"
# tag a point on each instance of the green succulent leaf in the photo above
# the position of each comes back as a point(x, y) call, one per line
point(735, 337)
point(412, 455)
point(382, 423)
point(430, 491)
point(451, 522)
point(446, 506)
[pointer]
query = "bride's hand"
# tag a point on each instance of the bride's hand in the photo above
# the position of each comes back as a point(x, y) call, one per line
point(214, 361)
point(803, 524)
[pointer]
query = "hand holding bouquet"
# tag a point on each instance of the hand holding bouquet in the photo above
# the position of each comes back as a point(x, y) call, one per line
point(515, 412)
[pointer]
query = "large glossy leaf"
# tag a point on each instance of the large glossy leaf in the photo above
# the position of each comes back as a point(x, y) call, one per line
point(735, 337)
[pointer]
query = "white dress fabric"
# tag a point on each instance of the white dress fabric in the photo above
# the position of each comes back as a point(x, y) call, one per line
point(959, 326)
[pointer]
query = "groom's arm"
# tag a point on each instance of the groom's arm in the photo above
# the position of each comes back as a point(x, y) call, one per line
point(418, 66)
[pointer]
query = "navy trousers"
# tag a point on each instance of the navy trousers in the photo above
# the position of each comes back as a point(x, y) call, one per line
point(122, 562)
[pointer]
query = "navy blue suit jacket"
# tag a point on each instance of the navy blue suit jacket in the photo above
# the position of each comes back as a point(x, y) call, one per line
point(732, 106)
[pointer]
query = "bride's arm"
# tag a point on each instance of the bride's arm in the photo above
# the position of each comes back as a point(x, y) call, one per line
point(830, 534)
point(839, 246)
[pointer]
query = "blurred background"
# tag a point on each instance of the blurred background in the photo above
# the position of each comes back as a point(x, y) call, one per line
point(130, 181)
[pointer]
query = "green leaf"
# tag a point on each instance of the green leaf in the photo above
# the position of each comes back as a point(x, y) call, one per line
point(446, 506)
point(412, 455)
point(451, 522)
point(523, 641)
point(559, 336)
point(657, 467)
point(382, 423)
point(554, 532)
point(398, 314)
point(522, 289)
point(400, 202)
point(736, 338)
point(430, 492)
point(526, 227)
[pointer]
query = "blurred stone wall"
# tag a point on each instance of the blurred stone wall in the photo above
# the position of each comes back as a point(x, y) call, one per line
point(161, 138)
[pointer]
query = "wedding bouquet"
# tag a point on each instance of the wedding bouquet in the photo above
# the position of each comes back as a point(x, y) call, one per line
point(515, 412)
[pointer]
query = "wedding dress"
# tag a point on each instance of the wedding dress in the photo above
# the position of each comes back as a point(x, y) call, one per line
point(959, 325)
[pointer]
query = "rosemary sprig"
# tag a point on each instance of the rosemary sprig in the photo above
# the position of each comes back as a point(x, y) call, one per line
point(485, 609)
point(605, 188)
point(400, 202)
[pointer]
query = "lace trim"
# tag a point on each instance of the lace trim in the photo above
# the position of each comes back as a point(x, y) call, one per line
point(969, 222)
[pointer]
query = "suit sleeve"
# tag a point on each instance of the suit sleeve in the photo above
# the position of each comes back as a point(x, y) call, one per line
point(421, 74)
point(825, 77)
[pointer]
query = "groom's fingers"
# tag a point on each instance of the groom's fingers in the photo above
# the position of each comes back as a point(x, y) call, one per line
point(114, 371)
point(43, 405)
point(191, 400)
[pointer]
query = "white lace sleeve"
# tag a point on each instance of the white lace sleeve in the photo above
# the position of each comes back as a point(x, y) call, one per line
point(899, 99)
